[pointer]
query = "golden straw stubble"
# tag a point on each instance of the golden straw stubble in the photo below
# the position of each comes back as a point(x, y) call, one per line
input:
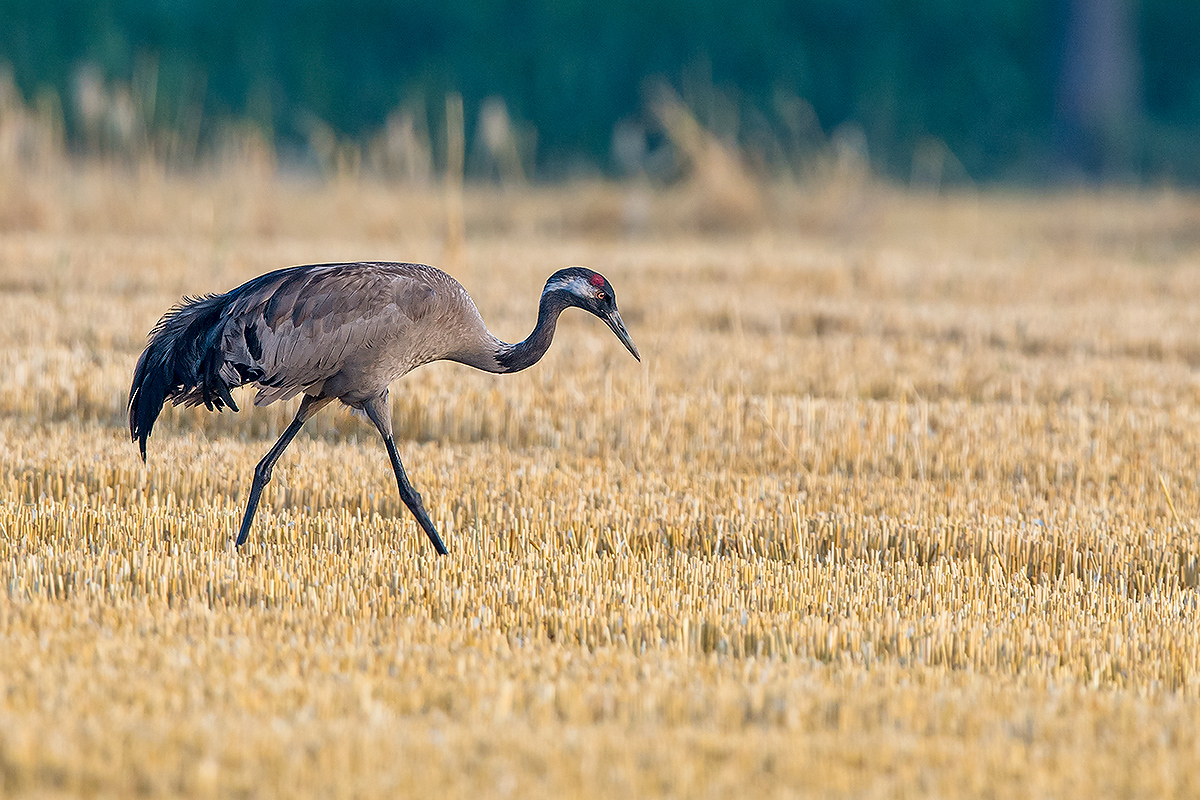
point(901, 501)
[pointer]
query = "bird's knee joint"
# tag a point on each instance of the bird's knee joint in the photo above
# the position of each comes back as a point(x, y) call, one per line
point(413, 498)
point(263, 472)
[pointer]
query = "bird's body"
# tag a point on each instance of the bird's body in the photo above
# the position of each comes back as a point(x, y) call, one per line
point(346, 330)
point(337, 331)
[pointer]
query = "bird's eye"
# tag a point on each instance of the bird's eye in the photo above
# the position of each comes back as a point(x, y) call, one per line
point(601, 296)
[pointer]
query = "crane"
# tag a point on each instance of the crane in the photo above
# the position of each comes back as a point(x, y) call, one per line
point(338, 332)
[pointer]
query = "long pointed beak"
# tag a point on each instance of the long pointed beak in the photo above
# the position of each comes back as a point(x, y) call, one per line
point(618, 327)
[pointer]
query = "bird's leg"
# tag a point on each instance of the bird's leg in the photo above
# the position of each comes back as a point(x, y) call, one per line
point(262, 473)
point(377, 411)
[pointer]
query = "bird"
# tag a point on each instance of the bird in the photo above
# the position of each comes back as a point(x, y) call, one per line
point(339, 331)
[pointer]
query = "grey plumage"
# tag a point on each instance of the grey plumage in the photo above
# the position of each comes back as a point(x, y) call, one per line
point(337, 331)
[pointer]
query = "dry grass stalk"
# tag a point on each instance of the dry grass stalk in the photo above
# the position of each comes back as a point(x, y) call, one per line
point(456, 234)
point(720, 194)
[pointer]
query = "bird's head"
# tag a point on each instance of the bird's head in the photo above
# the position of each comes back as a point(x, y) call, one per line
point(589, 290)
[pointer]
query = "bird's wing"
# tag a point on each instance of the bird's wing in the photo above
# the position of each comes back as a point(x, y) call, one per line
point(296, 328)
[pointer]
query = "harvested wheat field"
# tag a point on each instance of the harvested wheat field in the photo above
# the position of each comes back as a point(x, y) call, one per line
point(902, 502)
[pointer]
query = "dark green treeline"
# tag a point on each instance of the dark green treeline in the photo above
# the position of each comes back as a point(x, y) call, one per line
point(1014, 90)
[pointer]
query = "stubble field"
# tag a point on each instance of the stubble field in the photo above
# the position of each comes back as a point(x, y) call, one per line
point(900, 503)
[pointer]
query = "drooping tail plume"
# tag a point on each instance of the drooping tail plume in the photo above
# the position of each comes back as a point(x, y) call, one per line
point(182, 363)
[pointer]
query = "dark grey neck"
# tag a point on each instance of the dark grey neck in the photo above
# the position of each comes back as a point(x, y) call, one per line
point(516, 357)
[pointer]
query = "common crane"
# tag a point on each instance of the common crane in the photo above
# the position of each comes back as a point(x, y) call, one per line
point(338, 332)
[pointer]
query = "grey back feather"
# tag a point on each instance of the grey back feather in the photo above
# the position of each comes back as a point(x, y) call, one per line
point(337, 330)
point(347, 330)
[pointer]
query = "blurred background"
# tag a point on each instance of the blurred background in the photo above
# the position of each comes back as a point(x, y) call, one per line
point(925, 92)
